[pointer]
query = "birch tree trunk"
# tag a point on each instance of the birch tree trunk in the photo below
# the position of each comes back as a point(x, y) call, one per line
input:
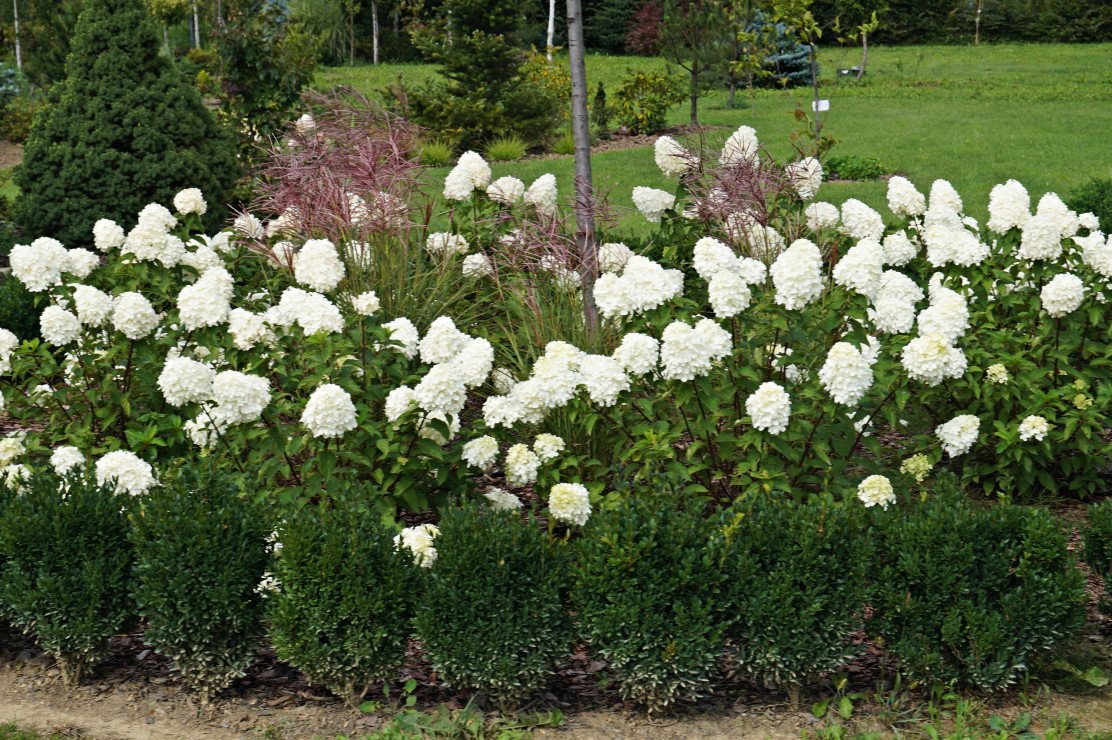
point(551, 26)
point(196, 27)
point(374, 31)
point(584, 195)
point(18, 51)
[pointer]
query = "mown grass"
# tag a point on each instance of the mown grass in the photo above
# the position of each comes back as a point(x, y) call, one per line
point(976, 116)
point(12, 732)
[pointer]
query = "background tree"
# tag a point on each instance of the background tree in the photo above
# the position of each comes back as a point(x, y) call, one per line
point(695, 36)
point(128, 129)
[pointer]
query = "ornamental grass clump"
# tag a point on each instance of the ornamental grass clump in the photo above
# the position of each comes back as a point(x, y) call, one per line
point(67, 566)
point(201, 552)
point(652, 597)
point(493, 615)
point(343, 599)
point(972, 595)
point(799, 578)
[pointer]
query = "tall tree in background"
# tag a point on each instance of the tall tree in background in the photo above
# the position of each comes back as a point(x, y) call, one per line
point(584, 189)
point(695, 36)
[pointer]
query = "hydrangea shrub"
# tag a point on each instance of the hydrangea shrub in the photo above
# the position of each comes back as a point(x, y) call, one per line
point(651, 593)
point(493, 615)
point(343, 599)
point(973, 595)
point(201, 552)
point(67, 565)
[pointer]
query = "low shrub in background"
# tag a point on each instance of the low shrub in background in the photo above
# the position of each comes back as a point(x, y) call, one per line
point(18, 313)
point(344, 599)
point(67, 571)
point(506, 149)
point(437, 152)
point(1094, 197)
point(492, 616)
point(973, 595)
point(651, 593)
point(643, 99)
point(853, 167)
point(800, 578)
point(201, 553)
point(1098, 545)
point(564, 144)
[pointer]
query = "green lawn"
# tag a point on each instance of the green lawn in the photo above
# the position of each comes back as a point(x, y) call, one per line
point(976, 116)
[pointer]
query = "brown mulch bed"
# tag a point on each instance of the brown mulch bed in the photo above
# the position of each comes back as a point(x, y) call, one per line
point(10, 154)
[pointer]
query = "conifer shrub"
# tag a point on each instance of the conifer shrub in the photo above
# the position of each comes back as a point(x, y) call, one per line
point(1094, 196)
point(66, 574)
point(493, 614)
point(201, 553)
point(651, 595)
point(799, 574)
point(18, 313)
point(972, 595)
point(343, 605)
point(127, 130)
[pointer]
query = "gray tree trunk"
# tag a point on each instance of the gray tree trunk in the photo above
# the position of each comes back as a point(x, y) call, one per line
point(374, 30)
point(694, 94)
point(584, 195)
point(864, 54)
point(551, 26)
point(18, 51)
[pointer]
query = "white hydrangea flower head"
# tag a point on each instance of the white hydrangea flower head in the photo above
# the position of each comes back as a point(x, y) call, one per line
point(477, 167)
point(613, 256)
point(1088, 221)
point(959, 434)
point(542, 194)
point(729, 295)
point(860, 268)
point(895, 284)
point(742, 146)
point(717, 342)
point(248, 225)
point(458, 185)
point(861, 222)
point(441, 390)
point(1033, 427)
point(822, 216)
point(1042, 238)
point(185, 381)
point(477, 266)
point(521, 465)
point(82, 262)
point(904, 200)
point(847, 374)
point(948, 314)
point(997, 374)
point(240, 397)
point(643, 285)
point(712, 256)
point(503, 380)
point(442, 341)
point(1009, 207)
point(506, 190)
point(40, 265)
point(398, 402)
point(129, 473)
point(683, 353)
point(548, 446)
point(206, 302)
point(652, 203)
point(419, 541)
point(898, 249)
point(769, 408)
point(11, 447)
point(917, 465)
point(570, 503)
point(672, 159)
point(59, 326)
point(501, 500)
point(805, 176)
point(189, 201)
point(8, 344)
point(638, 353)
point(248, 329)
point(892, 315)
point(366, 304)
point(133, 315)
point(311, 311)
point(107, 234)
point(931, 359)
point(505, 410)
point(604, 379)
point(1062, 295)
point(202, 259)
point(945, 196)
point(306, 124)
point(876, 490)
point(318, 265)
point(443, 245)
point(1051, 207)
point(329, 412)
point(474, 362)
point(481, 453)
point(797, 274)
point(404, 334)
point(66, 458)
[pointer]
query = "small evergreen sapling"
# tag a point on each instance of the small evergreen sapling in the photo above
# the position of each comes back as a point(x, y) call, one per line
point(201, 552)
point(67, 564)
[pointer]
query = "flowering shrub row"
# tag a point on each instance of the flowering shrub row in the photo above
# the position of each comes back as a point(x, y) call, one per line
point(957, 593)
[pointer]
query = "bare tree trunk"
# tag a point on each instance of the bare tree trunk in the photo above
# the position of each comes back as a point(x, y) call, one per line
point(351, 34)
point(374, 31)
point(864, 54)
point(815, 87)
point(551, 26)
point(977, 25)
point(166, 40)
point(584, 195)
point(18, 50)
point(694, 96)
point(397, 26)
point(196, 27)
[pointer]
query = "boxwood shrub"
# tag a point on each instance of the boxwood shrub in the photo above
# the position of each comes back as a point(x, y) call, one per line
point(1098, 546)
point(799, 574)
point(971, 595)
point(650, 591)
point(493, 614)
point(201, 552)
point(66, 574)
point(342, 613)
